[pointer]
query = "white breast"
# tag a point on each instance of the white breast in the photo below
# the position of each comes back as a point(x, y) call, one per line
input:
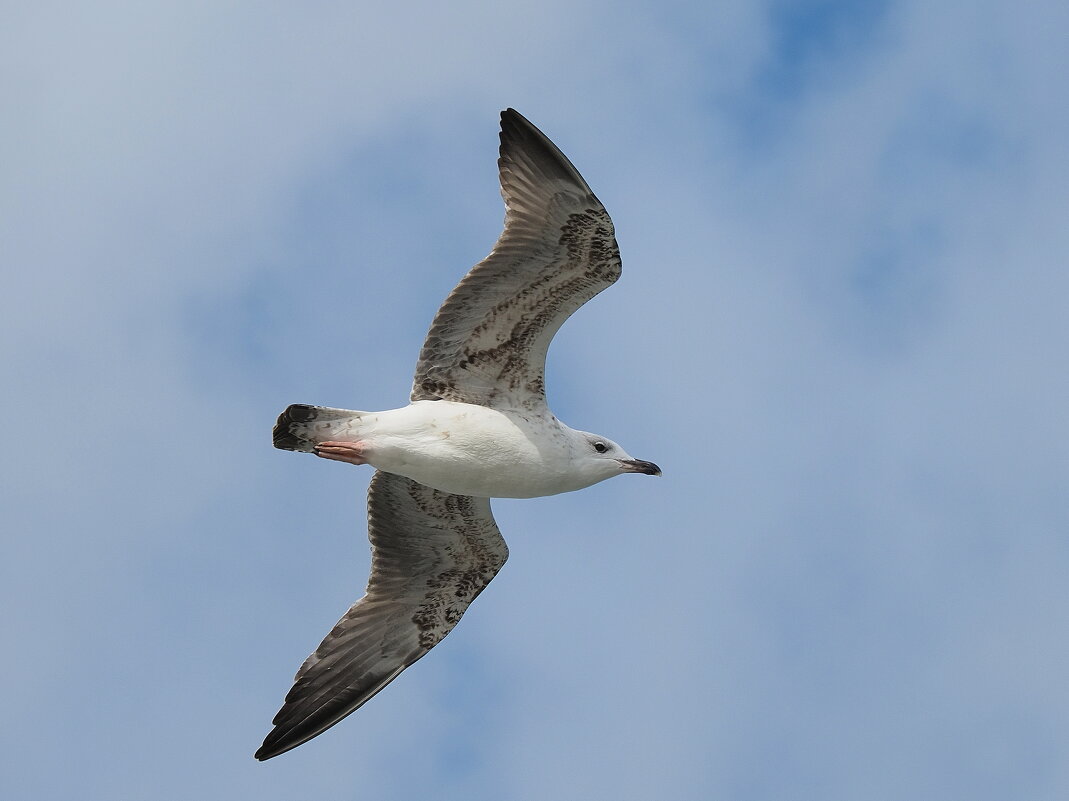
point(472, 450)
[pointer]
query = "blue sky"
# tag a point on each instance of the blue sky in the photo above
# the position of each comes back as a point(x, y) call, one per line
point(841, 331)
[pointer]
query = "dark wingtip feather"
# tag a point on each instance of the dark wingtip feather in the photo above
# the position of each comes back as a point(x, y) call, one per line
point(305, 716)
point(262, 753)
point(272, 747)
point(530, 152)
point(285, 738)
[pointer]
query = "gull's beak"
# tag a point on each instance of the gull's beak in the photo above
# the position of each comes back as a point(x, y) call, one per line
point(639, 466)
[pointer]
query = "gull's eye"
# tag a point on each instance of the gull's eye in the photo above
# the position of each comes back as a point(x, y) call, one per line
point(600, 447)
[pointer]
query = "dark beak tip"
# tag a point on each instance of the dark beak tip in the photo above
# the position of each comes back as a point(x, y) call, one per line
point(642, 466)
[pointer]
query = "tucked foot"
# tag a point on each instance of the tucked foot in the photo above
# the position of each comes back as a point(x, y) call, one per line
point(351, 452)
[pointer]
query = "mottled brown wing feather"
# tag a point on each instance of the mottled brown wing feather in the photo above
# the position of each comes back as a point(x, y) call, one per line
point(432, 553)
point(488, 342)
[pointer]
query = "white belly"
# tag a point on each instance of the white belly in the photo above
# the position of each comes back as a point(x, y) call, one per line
point(472, 450)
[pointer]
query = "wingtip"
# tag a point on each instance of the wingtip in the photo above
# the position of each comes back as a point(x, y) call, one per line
point(512, 123)
point(268, 749)
point(261, 755)
point(275, 744)
point(528, 151)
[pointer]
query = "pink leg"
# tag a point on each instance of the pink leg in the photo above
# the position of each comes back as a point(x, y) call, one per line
point(351, 452)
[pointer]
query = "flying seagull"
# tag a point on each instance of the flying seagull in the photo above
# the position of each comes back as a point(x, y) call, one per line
point(478, 427)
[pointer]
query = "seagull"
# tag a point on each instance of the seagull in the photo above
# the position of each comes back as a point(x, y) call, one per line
point(477, 427)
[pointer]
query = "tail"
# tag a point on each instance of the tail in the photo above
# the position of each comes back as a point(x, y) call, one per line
point(302, 427)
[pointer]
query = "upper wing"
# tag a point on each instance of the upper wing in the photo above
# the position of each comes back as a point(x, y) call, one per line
point(488, 342)
point(431, 554)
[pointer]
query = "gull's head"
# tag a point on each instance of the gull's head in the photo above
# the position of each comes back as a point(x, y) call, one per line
point(601, 458)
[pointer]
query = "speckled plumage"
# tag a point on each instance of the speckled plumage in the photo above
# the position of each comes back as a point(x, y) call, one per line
point(478, 426)
point(488, 342)
point(432, 554)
